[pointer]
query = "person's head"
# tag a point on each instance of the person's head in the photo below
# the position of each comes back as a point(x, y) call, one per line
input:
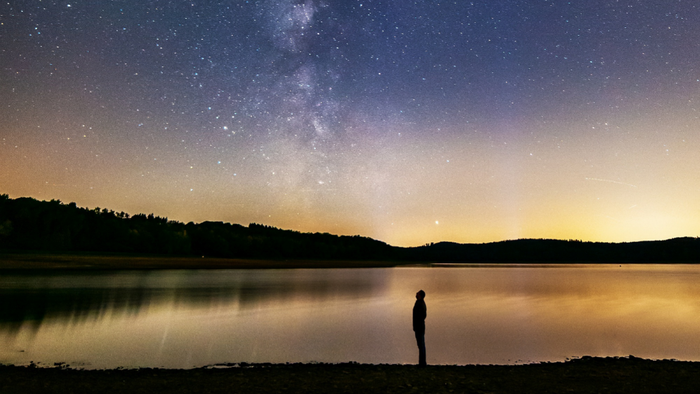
point(420, 295)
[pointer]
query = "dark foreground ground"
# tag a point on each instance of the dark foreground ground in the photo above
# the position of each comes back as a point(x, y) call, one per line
point(585, 375)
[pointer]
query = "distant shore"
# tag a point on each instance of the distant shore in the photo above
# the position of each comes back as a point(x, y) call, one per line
point(585, 375)
point(32, 261)
point(31, 226)
point(87, 261)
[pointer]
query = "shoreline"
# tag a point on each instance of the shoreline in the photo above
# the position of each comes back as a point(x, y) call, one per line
point(582, 375)
point(79, 261)
point(30, 261)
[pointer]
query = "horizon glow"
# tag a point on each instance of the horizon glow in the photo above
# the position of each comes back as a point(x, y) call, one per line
point(409, 123)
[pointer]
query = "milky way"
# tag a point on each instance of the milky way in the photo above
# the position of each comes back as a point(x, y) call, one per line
point(406, 121)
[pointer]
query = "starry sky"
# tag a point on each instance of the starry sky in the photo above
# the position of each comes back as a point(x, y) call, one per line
point(405, 121)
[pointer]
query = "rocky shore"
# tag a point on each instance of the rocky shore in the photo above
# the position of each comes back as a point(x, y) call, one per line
point(584, 375)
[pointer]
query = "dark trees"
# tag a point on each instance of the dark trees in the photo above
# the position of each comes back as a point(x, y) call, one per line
point(28, 224)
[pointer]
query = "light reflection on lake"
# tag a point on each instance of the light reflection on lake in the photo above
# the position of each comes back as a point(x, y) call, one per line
point(484, 314)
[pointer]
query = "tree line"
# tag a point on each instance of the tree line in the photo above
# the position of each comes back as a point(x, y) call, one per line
point(525, 251)
point(29, 224)
point(52, 226)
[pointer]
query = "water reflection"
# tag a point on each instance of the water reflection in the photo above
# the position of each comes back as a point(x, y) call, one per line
point(482, 314)
point(551, 313)
point(33, 298)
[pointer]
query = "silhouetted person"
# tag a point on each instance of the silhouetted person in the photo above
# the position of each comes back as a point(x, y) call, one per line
point(420, 311)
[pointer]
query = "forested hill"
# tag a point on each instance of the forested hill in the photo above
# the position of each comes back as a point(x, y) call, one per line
point(28, 224)
point(677, 250)
point(51, 226)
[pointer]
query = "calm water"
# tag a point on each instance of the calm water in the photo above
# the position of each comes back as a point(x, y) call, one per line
point(184, 319)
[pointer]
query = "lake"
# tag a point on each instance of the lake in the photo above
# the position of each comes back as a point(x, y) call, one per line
point(476, 315)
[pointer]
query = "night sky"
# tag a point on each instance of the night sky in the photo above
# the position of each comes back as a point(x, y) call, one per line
point(405, 121)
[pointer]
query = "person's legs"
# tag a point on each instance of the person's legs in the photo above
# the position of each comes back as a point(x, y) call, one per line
point(420, 340)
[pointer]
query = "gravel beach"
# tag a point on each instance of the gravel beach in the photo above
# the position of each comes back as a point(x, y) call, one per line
point(584, 375)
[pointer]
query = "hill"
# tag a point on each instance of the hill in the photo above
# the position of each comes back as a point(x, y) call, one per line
point(52, 226)
point(677, 250)
point(28, 224)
